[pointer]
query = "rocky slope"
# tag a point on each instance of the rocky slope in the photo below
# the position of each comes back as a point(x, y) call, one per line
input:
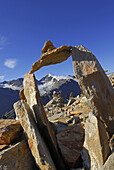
point(73, 135)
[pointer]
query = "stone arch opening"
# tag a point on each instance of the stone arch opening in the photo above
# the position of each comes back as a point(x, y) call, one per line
point(90, 75)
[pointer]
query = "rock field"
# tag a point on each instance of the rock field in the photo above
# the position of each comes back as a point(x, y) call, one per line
point(77, 134)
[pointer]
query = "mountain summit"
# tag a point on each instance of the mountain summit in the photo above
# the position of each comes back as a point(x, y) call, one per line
point(9, 90)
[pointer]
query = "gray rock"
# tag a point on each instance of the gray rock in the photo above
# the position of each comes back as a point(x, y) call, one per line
point(70, 140)
point(86, 159)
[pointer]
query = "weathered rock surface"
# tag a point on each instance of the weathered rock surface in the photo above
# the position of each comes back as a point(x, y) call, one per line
point(51, 55)
point(111, 143)
point(111, 78)
point(86, 159)
point(70, 141)
point(36, 143)
point(48, 46)
point(21, 94)
point(3, 146)
point(96, 142)
point(33, 98)
point(10, 130)
point(17, 157)
point(109, 164)
point(95, 85)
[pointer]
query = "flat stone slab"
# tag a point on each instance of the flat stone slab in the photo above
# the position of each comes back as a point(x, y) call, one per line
point(33, 98)
point(51, 56)
point(96, 142)
point(36, 143)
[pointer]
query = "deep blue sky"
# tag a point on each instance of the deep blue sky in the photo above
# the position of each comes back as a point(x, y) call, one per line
point(25, 25)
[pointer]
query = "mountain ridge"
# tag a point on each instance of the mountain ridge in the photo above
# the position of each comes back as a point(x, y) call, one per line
point(9, 90)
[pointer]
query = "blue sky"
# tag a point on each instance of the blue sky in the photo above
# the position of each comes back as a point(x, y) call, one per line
point(25, 25)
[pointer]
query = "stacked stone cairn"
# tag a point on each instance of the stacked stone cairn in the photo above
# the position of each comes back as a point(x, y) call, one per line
point(60, 136)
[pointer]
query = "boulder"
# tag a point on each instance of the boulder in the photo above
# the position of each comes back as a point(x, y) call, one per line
point(70, 140)
point(96, 142)
point(51, 55)
point(10, 130)
point(36, 143)
point(109, 164)
point(18, 157)
point(95, 85)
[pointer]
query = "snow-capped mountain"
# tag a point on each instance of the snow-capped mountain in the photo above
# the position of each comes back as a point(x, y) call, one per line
point(46, 84)
point(9, 90)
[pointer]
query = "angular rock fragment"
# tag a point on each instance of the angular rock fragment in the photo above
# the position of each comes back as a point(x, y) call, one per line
point(33, 98)
point(51, 55)
point(96, 142)
point(10, 130)
point(21, 94)
point(111, 143)
point(17, 157)
point(95, 85)
point(109, 164)
point(70, 141)
point(48, 46)
point(3, 146)
point(36, 143)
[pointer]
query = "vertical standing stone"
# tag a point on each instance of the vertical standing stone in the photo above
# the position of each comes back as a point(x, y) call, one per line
point(36, 143)
point(33, 98)
point(34, 101)
point(95, 85)
point(96, 142)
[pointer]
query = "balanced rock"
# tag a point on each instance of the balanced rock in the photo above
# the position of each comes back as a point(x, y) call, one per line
point(48, 46)
point(70, 141)
point(17, 157)
point(10, 130)
point(95, 85)
point(36, 143)
point(51, 55)
point(96, 142)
